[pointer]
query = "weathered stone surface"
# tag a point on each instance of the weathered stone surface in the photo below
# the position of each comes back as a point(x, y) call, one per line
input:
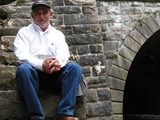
point(115, 83)
point(90, 60)
point(109, 21)
point(4, 2)
point(89, 9)
point(96, 48)
point(110, 45)
point(80, 29)
point(7, 42)
point(84, 49)
point(127, 53)
point(12, 100)
point(96, 82)
point(67, 10)
point(20, 2)
point(99, 109)
point(25, 12)
point(18, 22)
point(7, 78)
point(81, 19)
point(153, 26)
point(122, 62)
point(8, 31)
point(118, 72)
point(87, 71)
point(92, 96)
point(117, 107)
point(11, 105)
point(130, 43)
point(7, 58)
point(84, 39)
point(104, 94)
point(144, 30)
point(117, 95)
point(137, 36)
point(80, 2)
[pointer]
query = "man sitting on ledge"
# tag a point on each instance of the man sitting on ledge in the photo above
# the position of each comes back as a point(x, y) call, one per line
point(44, 56)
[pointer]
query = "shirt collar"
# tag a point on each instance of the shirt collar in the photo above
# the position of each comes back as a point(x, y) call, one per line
point(39, 29)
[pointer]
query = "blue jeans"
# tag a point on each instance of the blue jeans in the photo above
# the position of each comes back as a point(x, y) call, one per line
point(67, 79)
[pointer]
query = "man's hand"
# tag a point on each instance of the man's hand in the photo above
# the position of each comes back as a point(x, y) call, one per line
point(51, 65)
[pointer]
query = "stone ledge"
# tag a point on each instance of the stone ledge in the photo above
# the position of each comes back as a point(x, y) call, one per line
point(12, 106)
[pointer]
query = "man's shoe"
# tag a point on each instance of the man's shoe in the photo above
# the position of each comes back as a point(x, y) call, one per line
point(62, 117)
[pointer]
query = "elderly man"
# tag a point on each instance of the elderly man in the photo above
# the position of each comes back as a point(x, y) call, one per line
point(44, 56)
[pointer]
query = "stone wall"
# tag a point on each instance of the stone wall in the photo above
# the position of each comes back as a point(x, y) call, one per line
point(97, 32)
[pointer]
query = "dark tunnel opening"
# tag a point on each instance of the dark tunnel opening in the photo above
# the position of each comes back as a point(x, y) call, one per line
point(141, 94)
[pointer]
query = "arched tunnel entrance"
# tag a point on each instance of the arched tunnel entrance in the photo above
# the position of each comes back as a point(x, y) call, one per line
point(142, 89)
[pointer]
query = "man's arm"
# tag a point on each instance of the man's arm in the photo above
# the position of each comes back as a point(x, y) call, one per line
point(21, 49)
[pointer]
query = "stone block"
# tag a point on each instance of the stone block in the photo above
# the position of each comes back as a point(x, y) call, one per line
point(104, 94)
point(84, 39)
point(144, 30)
point(127, 53)
point(99, 109)
point(67, 10)
point(18, 22)
point(81, 19)
point(7, 42)
point(117, 107)
point(122, 62)
point(7, 58)
point(7, 78)
point(87, 71)
point(92, 95)
point(137, 36)
point(9, 31)
point(132, 44)
point(96, 48)
point(24, 14)
point(150, 22)
point(117, 95)
point(89, 9)
point(80, 29)
point(115, 83)
point(96, 82)
point(80, 2)
point(118, 117)
point(118, 72)
point(84, 49)
point(4, 2)
point(59, 2)
point(91, 60)
point(110, 45)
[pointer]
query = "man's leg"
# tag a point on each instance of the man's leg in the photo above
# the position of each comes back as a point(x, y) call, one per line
point(28, 84)
point(70, 78)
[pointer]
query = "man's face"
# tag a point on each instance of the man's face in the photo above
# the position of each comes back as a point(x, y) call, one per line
point(41, 16)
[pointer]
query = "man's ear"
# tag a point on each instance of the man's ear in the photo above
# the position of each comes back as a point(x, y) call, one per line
point(51, 13)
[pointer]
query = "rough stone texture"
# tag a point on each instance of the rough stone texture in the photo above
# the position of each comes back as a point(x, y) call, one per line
point(4, 2)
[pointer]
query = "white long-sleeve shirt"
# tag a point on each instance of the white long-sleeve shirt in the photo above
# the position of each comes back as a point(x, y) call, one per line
point(33, 45)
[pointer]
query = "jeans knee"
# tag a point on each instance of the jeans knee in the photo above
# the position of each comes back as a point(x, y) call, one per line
point(76, 66)
point(23, 68)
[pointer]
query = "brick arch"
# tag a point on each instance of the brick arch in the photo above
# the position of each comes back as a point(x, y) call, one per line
point(123, 60)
